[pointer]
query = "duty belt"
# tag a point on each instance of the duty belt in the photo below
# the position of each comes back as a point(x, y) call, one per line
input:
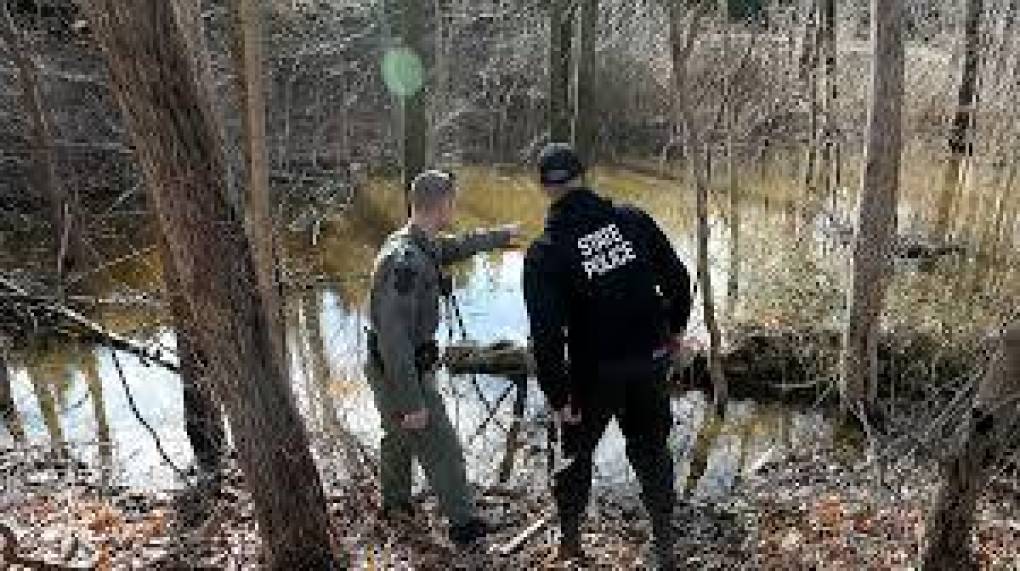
point(426, 355)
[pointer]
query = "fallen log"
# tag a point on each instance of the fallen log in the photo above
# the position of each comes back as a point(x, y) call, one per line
point(764, 363)
point(24, 316)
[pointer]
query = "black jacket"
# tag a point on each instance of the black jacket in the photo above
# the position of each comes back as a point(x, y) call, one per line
point(604, 283)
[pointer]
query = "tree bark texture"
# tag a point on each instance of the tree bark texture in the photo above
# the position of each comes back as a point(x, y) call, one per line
point(879, 197)
point(153, 72)
point(965, 470)
point(560, 35)
point(961, 133)
point(585, 111)
point(248, 48)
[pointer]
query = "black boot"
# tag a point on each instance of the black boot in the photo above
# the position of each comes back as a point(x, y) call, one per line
point(570, 539)
point(663, 556)
point(470, 531)
point(401, 513)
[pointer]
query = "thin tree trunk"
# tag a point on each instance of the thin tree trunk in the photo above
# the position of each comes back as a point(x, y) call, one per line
point(809, 191)
point(879, 197)
point(258, 205)
point(585, 114)
point(965, 470)
point(8, 408)
point(153, 72)
point(682, 45)
point(64, 213)
point(960, 143)
point(733, 281)
point(827, 169)
point(414, 107)
point(559, 70)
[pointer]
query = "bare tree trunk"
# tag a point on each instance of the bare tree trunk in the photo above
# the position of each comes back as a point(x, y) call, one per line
point(965, 471)
point(560, 33)
point(414, 106)
point(682, 46)
point(809, 191)
point(258, 205)
point(733, 281)
point(585, 113)
point(153, 72)
point(960, 145)
point(203, 419)
point(827, 170)
point(8, 409)
point(879, 197)
point(64, 212)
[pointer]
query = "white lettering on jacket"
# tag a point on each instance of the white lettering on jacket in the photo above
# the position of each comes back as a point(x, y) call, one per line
point(604, 250)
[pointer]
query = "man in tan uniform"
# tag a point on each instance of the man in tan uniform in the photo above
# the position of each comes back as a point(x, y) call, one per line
point(407, 284)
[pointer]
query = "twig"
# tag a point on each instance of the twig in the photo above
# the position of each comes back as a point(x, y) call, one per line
point(96, 332)
point(138, 415)
point(517, 541)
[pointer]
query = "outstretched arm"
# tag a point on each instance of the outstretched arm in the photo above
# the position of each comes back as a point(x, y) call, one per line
point(463, 246)
point(545, 302)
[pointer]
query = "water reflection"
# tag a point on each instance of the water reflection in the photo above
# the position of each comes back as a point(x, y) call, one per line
point(783, 279)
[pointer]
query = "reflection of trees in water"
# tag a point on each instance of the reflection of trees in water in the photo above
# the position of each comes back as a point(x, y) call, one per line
point(741, 430)
point(87, 363)
point(513, 439)
point(43, 374)
point(316, 365)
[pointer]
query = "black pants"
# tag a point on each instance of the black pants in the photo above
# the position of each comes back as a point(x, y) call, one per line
point(640, 403)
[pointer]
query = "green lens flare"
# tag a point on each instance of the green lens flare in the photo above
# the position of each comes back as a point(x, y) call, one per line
point(402, 72)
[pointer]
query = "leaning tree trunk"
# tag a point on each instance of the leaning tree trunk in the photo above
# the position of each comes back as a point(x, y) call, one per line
point(965, 471)
point(960, 144)
point(879, 197)
point(66, 228)
point(203, 420)
point(560, 18)
point(154, 74)
point(252, 105)
point(414, 105)
point(585, 114)
point(682, 46)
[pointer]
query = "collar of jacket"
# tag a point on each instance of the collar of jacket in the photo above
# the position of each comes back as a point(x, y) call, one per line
point(572, 202)
point(421, 239)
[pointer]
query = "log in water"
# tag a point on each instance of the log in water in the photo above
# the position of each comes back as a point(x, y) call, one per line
point(765, 363)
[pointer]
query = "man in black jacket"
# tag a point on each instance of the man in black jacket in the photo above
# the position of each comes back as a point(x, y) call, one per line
point(607, 297)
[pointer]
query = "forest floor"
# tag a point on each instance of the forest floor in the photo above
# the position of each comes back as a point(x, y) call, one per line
point(820, 509)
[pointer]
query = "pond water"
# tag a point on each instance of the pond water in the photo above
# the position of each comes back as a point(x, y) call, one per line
point(73, 394)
